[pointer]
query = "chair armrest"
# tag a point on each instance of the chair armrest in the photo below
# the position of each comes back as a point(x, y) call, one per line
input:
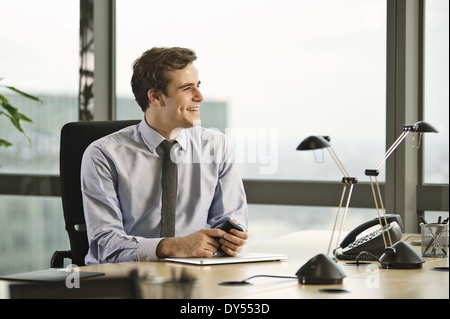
point(58, 257)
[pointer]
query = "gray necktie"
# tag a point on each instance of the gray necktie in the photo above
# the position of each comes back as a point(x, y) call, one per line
point(169, 191)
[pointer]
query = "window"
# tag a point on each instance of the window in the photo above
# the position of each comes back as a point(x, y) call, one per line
point(39, 55)
point(272, 74)
point(436, 100)
point(32, 228)
point(281, 71)
point(276, 72)
point(271, 221)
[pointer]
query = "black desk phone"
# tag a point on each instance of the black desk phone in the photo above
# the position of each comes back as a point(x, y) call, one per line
point(372, 242)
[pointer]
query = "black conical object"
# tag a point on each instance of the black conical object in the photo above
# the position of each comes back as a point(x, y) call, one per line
point(401, 256)
point(320, 270)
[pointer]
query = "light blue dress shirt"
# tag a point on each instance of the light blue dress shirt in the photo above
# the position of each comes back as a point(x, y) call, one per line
point(121, 187)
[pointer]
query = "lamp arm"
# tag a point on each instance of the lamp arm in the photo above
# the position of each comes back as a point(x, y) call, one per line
point(349, 196)
point(378, 210)
point(392, 149)
point(345, 211)
point(337, 161)
point(336, 219)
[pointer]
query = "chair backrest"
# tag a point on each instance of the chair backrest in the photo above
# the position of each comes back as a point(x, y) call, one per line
point(75, 138)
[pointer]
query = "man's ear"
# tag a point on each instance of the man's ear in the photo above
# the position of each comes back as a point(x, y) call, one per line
point(155, 97)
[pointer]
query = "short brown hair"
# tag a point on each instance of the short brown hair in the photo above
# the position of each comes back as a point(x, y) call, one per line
point(150, 71)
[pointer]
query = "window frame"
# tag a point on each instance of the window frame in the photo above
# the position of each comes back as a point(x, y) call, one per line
point(404, 105)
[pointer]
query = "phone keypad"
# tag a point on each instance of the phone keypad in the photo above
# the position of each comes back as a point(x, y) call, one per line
point(365, 238)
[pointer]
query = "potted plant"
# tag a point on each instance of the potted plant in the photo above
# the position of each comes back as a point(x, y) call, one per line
point(13, 113)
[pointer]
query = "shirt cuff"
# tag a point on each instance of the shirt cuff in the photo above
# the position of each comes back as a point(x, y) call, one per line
point(146, 250)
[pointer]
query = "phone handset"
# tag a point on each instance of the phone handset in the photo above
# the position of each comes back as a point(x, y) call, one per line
point(351, 237)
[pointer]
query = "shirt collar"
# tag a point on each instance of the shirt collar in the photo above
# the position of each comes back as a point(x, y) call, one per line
point(152, 138)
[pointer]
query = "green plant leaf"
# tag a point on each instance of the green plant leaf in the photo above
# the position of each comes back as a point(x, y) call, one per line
point(29, 96)
point(4, 143)
point(3, 100)
point(15, 117)
point(13, 113)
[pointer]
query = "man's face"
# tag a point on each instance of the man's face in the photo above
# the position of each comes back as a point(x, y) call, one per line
point(182, 102)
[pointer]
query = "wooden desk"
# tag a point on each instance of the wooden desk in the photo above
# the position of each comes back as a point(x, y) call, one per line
point(362, 282)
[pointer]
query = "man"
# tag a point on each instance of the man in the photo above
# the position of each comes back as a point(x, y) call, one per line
point(121, 174)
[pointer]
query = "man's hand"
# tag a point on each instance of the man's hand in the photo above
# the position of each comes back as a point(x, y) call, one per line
point(202, 243)
point(233, 242)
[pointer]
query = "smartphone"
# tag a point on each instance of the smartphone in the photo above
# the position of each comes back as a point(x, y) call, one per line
point(229, 225)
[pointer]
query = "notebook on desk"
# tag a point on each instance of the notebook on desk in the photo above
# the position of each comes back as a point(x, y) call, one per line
point(51, 274)
point(218, 259)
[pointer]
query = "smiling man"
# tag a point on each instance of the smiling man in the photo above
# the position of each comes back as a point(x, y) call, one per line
point(179, 106)
point(123, 183)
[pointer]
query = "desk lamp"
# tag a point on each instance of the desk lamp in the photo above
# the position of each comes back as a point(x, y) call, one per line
point(322, 269)
point(401, 255)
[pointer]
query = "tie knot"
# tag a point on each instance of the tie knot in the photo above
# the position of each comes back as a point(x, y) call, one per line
point(167, 145)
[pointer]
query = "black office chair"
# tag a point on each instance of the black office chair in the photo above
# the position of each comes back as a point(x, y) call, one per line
point(75, 138)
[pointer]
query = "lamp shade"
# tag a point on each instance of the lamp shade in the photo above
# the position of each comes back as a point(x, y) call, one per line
point(420, 127)
point(313, 142)
point(424, 127)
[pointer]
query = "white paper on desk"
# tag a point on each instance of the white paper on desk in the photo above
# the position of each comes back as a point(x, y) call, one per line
point(51, 274)
point(218, 260)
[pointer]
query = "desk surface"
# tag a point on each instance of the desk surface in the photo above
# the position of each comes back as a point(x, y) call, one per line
point(362, 282)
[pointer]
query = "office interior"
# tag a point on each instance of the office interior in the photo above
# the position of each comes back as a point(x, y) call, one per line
point(274, 73)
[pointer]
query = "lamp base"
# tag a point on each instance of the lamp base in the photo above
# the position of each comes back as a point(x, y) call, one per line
point(320, 270)
point(402, 256)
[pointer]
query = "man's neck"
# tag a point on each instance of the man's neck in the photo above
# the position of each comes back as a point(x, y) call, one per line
point(169, 134)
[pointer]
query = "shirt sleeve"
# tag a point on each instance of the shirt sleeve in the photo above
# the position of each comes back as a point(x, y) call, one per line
point(229, 201)
point(108, 241)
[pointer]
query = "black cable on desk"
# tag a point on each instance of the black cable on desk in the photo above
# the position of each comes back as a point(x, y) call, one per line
point(245, 281)
point(285, 277)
